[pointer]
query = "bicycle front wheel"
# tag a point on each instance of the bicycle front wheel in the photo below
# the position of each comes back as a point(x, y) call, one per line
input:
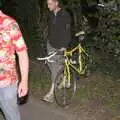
point(64, 88)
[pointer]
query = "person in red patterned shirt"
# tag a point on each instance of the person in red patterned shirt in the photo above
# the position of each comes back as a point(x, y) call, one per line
point(11, 42)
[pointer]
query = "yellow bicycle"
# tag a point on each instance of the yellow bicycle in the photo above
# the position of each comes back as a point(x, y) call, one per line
point(65, 83)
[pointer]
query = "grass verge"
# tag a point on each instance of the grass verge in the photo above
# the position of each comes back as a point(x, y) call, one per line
point(97, 95)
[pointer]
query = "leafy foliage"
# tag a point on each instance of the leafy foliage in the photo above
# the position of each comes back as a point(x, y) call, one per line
point(101, 23)
point(108, 29)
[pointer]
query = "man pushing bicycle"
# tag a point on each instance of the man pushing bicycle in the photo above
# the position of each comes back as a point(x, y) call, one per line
point(59, 36)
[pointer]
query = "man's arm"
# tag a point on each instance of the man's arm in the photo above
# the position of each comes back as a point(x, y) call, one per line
point(24, 68)
point(68, 32)
point(21, 50)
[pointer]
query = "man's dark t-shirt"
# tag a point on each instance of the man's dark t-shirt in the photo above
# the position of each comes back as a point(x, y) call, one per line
point(59, 29)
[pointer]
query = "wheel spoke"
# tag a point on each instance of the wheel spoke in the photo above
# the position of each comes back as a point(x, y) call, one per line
point(64, 89)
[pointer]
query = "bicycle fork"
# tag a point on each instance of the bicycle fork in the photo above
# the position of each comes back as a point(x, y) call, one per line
point(67, 81)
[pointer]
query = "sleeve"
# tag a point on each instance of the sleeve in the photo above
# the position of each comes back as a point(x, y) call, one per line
point(68, 31)
point(68, 23)
point(17, 38)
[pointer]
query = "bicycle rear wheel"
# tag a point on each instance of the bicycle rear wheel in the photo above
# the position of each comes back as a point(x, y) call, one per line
point(64, 88)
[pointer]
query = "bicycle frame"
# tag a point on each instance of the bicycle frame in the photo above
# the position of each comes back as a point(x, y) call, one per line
point(68, 64)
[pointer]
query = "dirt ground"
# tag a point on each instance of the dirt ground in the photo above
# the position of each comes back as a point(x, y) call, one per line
point(86, 109)
point(97, 97)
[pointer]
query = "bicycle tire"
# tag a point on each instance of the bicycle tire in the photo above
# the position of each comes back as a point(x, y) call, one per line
point(64, 94)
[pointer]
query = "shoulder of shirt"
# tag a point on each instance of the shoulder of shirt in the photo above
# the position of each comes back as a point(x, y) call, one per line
point(8, 20)
point(64, 12)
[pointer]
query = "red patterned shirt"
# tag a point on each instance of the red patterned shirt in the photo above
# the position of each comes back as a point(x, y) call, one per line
point(11, 41)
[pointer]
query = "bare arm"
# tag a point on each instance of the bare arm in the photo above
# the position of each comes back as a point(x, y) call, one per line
point(24, 68)
point(19, 46)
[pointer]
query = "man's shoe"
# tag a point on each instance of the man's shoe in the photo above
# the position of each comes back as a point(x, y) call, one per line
point(49, 98)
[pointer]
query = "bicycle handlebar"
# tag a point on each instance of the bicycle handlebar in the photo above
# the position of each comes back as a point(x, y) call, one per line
point(53, 53)
point(48, 57)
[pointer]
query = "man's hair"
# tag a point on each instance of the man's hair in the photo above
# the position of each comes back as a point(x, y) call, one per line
point(60, 2)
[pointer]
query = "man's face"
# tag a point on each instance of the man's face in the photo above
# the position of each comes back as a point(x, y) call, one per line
point(52, 4)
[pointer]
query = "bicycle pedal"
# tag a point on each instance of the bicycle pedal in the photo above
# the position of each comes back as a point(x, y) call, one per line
point(68, 85)
point(64, 85)
point(60, 86)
